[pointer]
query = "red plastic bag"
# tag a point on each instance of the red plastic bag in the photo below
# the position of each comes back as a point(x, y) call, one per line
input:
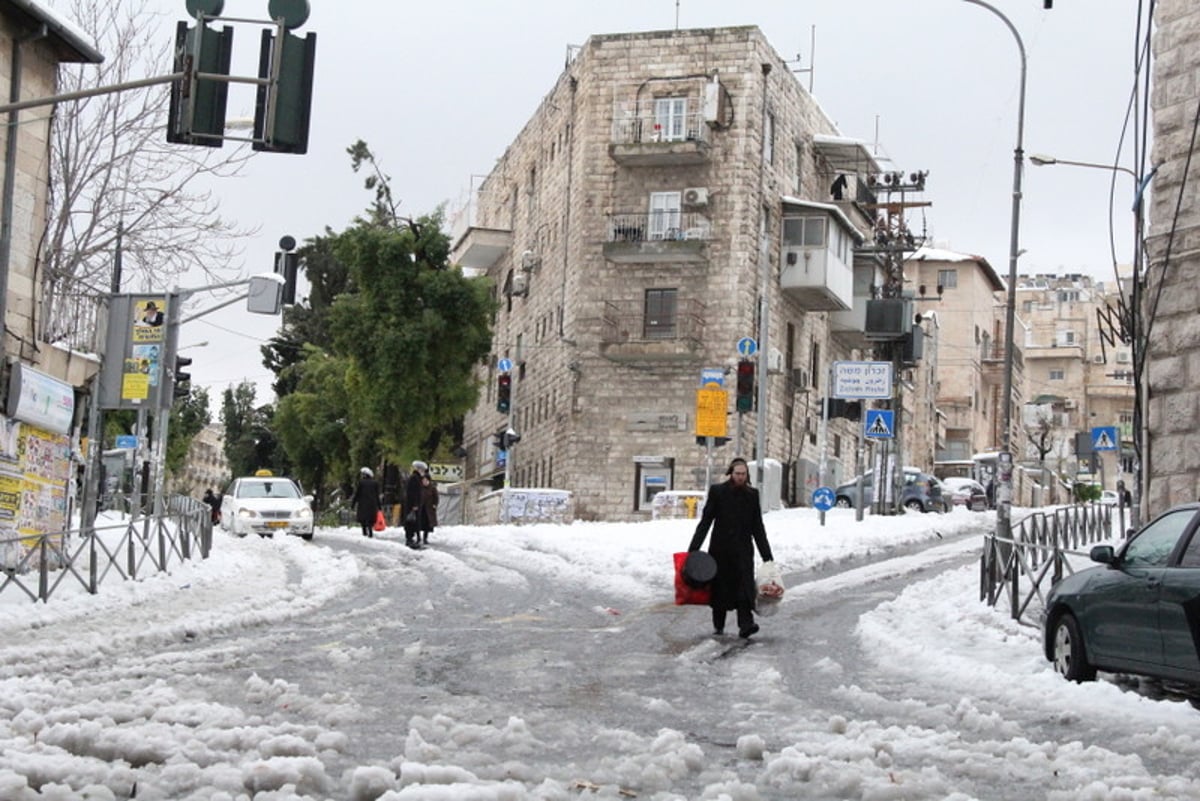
point(380, 523)
point(684, 594)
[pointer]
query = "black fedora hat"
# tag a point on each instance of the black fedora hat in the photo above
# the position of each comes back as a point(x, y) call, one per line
point(699, 569)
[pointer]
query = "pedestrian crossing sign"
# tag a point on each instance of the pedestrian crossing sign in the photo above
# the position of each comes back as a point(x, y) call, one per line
point(879, 423)
point(1104, 438)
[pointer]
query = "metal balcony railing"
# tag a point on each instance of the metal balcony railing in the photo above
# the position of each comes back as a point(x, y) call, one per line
point(630, 322)
point(658, 226)
point(632, 125)
point(73, 319)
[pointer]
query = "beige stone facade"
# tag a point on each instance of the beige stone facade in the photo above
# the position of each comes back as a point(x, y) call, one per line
point(630, 229)
point(36, 41)
point(205, 467)
point(1171, 390)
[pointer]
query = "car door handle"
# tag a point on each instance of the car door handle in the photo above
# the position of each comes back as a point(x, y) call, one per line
point(1153, 582)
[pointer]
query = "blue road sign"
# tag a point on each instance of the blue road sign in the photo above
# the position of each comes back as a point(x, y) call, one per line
point(712, 377)
point(127, 441)
point(823, 498)
point(747, 347)
point(504, 365)
point(1104, 438)
point(880, 423)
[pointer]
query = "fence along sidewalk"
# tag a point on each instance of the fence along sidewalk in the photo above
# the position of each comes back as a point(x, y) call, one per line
point(1038, 546)
point(41, 565)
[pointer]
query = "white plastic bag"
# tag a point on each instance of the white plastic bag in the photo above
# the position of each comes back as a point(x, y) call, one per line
point(770, 589)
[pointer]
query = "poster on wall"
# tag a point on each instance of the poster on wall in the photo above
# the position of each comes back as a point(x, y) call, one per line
point(41, 399)
point(35, 467)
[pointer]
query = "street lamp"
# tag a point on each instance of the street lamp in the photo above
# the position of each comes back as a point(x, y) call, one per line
point(1004, 465)
point(1134, 322)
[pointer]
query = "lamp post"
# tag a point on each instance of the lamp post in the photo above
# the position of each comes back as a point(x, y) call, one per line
point(1134, 322)
point(1004, 465)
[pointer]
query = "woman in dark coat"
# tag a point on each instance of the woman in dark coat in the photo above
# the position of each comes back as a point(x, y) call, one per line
point(732, 510)
point(365, 501)
point(429, 505)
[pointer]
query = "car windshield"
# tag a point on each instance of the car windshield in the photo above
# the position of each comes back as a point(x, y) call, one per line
point(267, 489)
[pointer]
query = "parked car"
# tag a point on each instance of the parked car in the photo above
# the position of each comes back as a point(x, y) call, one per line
point(1108, 498)
point(264, 505)
point(965, 492)
point(1135, 613)
point(921, 492)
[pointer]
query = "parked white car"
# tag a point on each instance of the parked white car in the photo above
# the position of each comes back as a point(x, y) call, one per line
point(264, 505)
point(966, 492)
point(1109, 498)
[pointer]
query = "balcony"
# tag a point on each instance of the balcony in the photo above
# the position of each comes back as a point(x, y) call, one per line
point(991, 357)
point(643, 139)
point(657, 237)
point(480, 248)
point(628, 334)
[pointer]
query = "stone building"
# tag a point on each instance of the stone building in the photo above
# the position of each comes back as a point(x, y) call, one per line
point(1171, 327)
point(205, 466)
point(1078, 372)
point(674, 193)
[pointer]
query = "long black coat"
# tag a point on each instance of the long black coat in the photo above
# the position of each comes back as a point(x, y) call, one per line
point(365, 500)
point(736, 520)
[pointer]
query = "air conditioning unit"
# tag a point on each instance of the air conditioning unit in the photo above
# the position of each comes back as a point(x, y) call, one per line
point(799, 378)
point(695, 196)
point(1122, 357)
point(775, 361)
point(1070, 404)
point(520, 284)
point(1099, 358)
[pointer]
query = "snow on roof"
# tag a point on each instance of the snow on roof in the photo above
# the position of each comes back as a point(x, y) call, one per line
point(926, 253)
point(74, 44)
point(788, 200)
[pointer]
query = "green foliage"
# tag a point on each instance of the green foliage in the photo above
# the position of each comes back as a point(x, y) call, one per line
point(1085, 492)
point(250, 442)
point(189, 415)
point(378, 364)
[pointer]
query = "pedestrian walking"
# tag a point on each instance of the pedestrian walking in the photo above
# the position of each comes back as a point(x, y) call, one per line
point(412, 505)
point(733, 512)
point(429, 505)
point(214, 504)
point(365, 501)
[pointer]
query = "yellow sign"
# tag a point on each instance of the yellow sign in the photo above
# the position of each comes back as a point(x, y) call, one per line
point(711, 408)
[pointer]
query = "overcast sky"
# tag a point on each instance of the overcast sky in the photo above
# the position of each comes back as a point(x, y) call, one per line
point(439, 90)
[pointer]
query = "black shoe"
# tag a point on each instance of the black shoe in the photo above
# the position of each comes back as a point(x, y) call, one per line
point(718, 632)
point(748, 632)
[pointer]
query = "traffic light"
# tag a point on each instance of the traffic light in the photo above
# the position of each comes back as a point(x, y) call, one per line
point(281, 112)
point(287, 265)
point(196, 113)
point(745, 386)
point(498, 441)
point(504, 393)
point(181, 383)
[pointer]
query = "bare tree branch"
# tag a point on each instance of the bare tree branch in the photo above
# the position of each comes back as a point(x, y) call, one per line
point(112, 169)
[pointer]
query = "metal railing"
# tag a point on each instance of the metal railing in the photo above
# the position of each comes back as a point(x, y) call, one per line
point(658, 226)
point(72, 319)
point(629, 322)
point(1036, 550)
point(632, 126)
point(40, 565)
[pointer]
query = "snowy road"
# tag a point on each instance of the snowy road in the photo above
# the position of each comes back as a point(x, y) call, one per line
point(547, 663)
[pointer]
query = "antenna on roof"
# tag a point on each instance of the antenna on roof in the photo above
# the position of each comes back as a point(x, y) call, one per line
point(676, 14)
point(812, 50)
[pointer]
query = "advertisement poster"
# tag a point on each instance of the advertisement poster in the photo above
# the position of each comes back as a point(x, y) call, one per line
point(33, 488)
point(143, 367)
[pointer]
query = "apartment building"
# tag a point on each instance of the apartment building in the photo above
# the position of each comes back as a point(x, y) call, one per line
point(675, 193)
point(1078, 373)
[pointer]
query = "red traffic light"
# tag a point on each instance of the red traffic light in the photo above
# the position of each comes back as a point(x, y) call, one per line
point(504, 393)
point(745, 386)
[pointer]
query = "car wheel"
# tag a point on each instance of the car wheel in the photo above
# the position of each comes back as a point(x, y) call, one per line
point(306, 537)
point(1070, 659)
point(842, 502)
point(913, 505)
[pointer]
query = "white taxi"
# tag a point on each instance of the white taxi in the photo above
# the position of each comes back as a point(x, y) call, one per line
point(264, 505)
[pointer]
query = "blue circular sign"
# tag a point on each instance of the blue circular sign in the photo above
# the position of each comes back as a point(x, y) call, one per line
point(746, 346)
point(823, 498)
point(504, 365)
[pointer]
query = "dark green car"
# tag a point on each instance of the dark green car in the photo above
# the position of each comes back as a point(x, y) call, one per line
point(1138, 613)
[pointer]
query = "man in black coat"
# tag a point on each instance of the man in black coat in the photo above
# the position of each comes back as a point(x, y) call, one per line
point(412, 505)
point(365, 501)
point(733, 512)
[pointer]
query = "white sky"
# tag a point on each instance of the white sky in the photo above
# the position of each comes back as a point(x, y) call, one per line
point(439, 90)
point(99, 692)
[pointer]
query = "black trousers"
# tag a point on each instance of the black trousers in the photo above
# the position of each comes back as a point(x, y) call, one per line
point(745, 618)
